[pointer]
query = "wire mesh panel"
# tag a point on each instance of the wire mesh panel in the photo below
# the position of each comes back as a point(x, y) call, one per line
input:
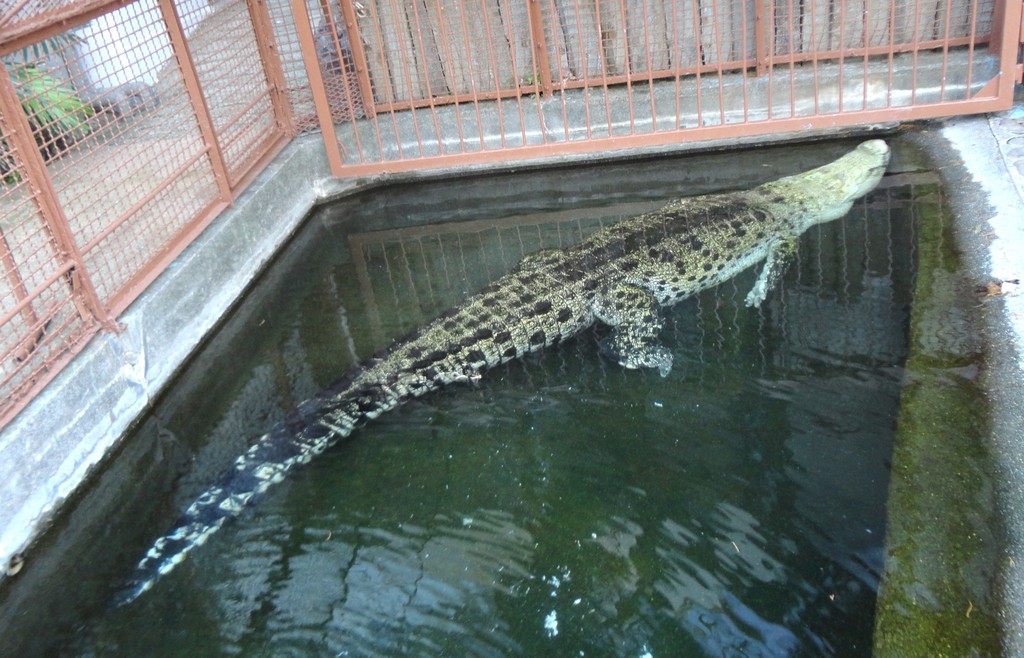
point(337, 63)
point(42, 319)
point(140, 171)
point(234, 81)
point(477, 80)
point(289, 54)
point(124, 133)
point(19, 17)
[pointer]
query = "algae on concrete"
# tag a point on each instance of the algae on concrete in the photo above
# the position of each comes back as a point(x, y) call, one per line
point(939, 591)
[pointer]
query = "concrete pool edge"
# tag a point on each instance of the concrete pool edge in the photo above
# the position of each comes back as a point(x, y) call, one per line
point(938, 595)
point(990, 229)
point(971, 582)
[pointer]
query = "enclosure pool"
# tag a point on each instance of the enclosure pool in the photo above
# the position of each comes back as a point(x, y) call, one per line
point(561, 506)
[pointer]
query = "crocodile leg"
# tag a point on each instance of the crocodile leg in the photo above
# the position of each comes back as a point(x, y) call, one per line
point(778, 258)
point(635, 318)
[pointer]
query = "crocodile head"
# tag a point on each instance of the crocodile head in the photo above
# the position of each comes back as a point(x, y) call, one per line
point(826, 193)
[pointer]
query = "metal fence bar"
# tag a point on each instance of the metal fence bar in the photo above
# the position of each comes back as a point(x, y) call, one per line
point(349, 64)
point(916, 52)
point(495, 74)
point(420, 39)
point(1010, 43)
point(719, 70)
point(316, 83)
point(561, 51)
point(195, 92)
point(391, 106)
point(17, 284)
point(268, 50)
point(542, 66)
point(427, 82)
point(971, 46)
point(30, 162)
point(697, 74)
point(761, 38)
point(627, 59)
point(91, 207)
point(748, 51)
point(514, 58)
point(348, 12)
point(464, 25)
point(999, 19)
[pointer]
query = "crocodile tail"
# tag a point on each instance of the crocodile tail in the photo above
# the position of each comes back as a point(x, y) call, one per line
point(313, 428)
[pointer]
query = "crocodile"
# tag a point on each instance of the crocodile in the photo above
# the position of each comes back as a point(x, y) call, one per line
point(621, 276)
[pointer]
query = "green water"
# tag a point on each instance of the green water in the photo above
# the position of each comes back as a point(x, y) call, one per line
point(562, 506)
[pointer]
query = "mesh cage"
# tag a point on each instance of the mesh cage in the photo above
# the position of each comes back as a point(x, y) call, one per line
point(41, 316)
point(296, 82)
point(334, 53)
point(18, 17)
point(122, 137)
point(139, 171)
point(234, 82)
point(475, 80)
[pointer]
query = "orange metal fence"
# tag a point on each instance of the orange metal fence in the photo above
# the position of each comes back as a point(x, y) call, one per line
point(403, 84)
point(126, 127)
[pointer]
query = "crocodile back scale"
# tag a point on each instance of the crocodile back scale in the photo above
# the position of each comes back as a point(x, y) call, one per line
point(620, 276)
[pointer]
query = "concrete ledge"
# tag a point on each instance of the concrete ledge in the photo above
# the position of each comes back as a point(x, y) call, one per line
point(951, 587)
point(989, 222)
point(53, 445)
point(937, 596)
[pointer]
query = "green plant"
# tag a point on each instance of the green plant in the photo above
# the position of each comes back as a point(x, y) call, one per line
point(57, 115)
point(51, 107)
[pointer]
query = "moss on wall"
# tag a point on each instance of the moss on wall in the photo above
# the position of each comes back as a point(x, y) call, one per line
point(939, 595)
